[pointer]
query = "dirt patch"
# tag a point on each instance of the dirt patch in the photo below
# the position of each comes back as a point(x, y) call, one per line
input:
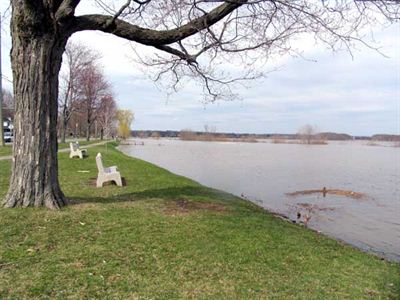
point(75, 265)
point(350, 194)
point(183, 206)
point(7, 265)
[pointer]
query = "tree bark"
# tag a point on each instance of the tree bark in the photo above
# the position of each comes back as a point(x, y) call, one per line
point(36, 60)
point(63, 131)
point(88, 127)
point(64, 126)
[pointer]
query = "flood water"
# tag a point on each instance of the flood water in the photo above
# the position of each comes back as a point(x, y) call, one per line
point(264, 173)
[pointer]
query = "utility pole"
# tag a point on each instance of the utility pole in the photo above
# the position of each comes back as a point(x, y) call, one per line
point(1, 99)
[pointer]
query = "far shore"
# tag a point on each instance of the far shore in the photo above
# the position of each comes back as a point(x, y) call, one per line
point(272, 140)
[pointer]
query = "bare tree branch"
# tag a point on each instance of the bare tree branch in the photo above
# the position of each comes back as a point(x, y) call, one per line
point(153, 37)
point(200, 38)
point(66, 9)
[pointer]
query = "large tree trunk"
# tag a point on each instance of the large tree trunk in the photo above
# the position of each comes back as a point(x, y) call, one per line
point(36, 60)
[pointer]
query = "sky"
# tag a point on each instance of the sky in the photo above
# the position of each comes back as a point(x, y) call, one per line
point(358, 94)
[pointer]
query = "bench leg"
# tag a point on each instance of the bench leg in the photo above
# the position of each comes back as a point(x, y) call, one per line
point(118, 180)
point(99, 182)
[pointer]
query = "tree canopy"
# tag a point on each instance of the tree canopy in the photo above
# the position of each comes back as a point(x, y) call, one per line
point(125, 118)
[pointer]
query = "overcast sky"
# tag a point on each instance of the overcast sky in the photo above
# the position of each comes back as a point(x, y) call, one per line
point(359, 95)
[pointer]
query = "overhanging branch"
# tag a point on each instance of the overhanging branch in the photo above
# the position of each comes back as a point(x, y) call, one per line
point(151, 37)
point(66, 9)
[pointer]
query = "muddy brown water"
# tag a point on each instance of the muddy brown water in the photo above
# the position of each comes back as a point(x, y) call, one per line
point(265, 173)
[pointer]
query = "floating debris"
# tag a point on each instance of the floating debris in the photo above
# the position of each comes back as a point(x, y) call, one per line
point(324, 191)
point(313, 207)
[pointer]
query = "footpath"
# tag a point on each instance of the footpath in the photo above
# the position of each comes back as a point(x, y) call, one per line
point(60, 150)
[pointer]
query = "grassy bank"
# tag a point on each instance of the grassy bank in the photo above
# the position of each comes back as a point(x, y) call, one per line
point(164, 236)
point(7, 150)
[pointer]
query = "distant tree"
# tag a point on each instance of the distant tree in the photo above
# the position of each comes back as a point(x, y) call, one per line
point(142, 135)
point(210, 128)
point(93, 87)
point(107, 116)
point(277, 139)
point(8, 104)
point(76, 58)
point(307, 133)
point(125, 118)
point(77, 122)
point(187, 134)
point(209, 133)
point(155, 135)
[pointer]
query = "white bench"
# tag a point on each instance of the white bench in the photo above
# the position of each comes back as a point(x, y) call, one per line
point(106, 174)
point(75, 151)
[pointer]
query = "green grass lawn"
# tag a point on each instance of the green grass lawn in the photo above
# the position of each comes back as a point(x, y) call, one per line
point(7, 150)
point(166, 237)
point(81, 143)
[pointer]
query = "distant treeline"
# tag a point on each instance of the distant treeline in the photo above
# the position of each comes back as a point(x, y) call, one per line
point(176, 134)
point(386, 137)
point(331, 136)
point(198, 135)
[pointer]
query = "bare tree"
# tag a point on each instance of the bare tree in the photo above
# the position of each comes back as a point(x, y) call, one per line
point(77, 57)
point(187, 134)
point(107, 117)
point(196, 36)
point(209, 133)
point(93, 88)
point(8, 104)
point(307, 133)
point(210, 129)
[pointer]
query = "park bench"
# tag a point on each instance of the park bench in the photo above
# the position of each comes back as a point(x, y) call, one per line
point(106, 174)
point(76, 151)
